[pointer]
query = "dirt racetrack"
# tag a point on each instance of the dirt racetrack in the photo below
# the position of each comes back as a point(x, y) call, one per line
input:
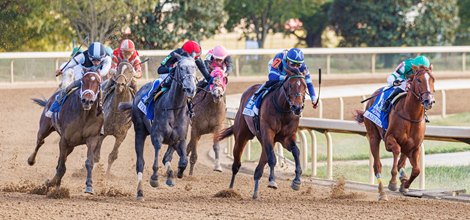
point(191, 198)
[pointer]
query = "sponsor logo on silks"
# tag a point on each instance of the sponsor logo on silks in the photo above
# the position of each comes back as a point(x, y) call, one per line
point(276, 63)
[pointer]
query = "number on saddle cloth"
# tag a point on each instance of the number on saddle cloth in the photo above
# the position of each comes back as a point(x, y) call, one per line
point(375, 113)
point(253, 105)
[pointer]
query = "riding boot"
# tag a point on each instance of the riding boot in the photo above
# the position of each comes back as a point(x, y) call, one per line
point(387, 102)
point(55, 107)
point(152, 93)
point(260, 90)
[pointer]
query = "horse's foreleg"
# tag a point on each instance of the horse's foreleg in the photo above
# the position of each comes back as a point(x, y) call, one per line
point(192, 149)
point(114, 153)
point(414, 161)
point(157, 144)
point(259, 172)
point(139, 151)
point(45, 130)
point(97, 154)
point(216, 148)
point(167, 163)
point(393, 146)
point(298, 169)
point(65, 150)
point(401, 167)
point(89, 163)
point(183, 161)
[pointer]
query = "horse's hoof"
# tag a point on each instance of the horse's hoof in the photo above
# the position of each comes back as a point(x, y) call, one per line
point(255, 196)
point(140, 198)
point(154, 183)
point(392, 186)
point(140, 195)
point(295, 185)
point(180, 173)
point(89, 190)
point(383, 197)
point(31, 161)
point(273, 185)
point(169, 182)
point(218, 168)
point(404, 190)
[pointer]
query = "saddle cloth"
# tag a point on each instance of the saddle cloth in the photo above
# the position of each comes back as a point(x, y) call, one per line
point(375, 113)
point(252, 106)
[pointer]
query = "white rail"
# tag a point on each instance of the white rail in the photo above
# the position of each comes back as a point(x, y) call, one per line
point(328, 126)
point(328, 52)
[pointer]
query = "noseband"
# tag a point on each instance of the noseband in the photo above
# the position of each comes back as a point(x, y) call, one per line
point(86, 91)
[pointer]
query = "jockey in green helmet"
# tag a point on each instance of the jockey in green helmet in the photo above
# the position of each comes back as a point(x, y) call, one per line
point(401, 74)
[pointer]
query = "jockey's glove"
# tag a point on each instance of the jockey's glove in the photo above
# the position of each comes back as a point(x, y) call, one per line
point(397, 82)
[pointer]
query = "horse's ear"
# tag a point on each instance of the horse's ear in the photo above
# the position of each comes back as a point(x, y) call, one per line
point(414, 68)
point(430, 67)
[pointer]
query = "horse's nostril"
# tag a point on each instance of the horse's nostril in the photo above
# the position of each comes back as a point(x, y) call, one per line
point(83, 100)
point(91, 102)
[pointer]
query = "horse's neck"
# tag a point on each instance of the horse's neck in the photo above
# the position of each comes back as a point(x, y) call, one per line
point(412, 107)
point(119, 97)
point(176, 93)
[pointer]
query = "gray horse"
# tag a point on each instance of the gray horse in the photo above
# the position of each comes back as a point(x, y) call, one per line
point(169, 125)
point(209, 116)
point(78, 122)
point(116, 123)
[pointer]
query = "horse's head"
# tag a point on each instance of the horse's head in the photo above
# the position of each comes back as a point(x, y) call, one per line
point(123, 76)
point(185, 75)
point(422, 85)
point(89, 90)
point(219, 84)
point(294, 88)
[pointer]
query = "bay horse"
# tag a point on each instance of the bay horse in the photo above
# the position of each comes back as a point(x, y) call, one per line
point(406, 129)
point(279, 119)
point(209, 116)
point(169, 125)
point(78, 122)
point(116, 123)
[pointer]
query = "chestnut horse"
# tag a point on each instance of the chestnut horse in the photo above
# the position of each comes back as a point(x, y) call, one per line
point(405, 132)
point(279, 119)
point(78, 122)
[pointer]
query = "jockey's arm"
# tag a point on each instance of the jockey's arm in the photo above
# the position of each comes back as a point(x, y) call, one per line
point(79, 59)
point(228, 63)
point(137, 67)
point(308, 80)
point(393, 77)
point(106, 66)
point(275, 74)
point(200, 65)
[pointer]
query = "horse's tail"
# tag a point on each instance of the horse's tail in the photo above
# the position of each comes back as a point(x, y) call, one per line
point(224, 134)
point(125, 106)
point(359, 116)
point(41, 102)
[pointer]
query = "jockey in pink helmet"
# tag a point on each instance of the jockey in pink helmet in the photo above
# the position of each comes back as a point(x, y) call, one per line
point(218, 57)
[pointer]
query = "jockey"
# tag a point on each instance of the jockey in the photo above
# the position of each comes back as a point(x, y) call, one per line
point(218, 57)
point(94, 59)
point(292, 60)
point(126, 52)
point(401, 74)
point(189, 48)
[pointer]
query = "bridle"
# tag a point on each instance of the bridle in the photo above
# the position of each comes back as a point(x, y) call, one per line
point(287, 96)
point(86, 91)
point(126, 79)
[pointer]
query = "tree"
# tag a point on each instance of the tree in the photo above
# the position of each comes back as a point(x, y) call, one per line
point(394, 23)
point(314, 17)
point(255, 17)
point(463, 31)
point(28, 25)
point(170, 22)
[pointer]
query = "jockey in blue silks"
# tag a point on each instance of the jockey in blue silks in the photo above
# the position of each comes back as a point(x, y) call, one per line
point(292, 60)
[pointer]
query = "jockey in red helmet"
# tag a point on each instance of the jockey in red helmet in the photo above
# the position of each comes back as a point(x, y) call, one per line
point(189, 48)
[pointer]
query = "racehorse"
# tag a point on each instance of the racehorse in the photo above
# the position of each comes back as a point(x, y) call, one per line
point(405, 132)
point(170, 122)
point(209, 116)
point(116, 123)
point(279, 119)
point(78, 122)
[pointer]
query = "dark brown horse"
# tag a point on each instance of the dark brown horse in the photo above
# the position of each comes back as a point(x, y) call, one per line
point(209, 116)
point(78, 122)
point(279, 119)
point(117, 123)
point(405, 131)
